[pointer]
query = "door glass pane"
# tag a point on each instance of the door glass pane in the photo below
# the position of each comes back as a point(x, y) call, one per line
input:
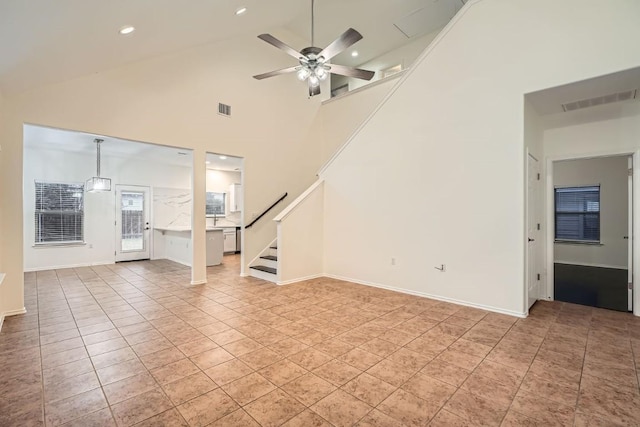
point(133, 224)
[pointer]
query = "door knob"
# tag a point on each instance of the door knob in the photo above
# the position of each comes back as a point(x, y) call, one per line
point(532, 240)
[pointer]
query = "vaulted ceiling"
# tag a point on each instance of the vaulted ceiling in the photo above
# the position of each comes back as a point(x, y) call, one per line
point(44, 41)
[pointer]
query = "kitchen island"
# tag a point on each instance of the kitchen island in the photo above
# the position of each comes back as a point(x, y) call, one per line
point(174, 243)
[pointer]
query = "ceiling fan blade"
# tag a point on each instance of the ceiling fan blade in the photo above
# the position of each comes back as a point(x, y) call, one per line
point(348, 38)
point(351, 72)
point(314, 90)
point(277, 43)
point(276, 73)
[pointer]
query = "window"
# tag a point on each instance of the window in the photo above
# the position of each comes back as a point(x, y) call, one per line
point(59, 216)
point(578, 214)
point(215, 204)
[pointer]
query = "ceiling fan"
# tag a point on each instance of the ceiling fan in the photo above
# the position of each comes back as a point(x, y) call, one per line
point(313, 61)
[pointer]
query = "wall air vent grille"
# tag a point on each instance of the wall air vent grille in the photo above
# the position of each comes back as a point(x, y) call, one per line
point(600, 100)
point(224, 109)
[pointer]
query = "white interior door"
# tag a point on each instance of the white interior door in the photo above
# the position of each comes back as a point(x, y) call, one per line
point(630, 237)
point(132, 223)
point(533, 233)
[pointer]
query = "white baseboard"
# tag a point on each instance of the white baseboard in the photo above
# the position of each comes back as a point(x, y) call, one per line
point(199, 282)
point(430, 296)
point(15, 312)
point(178, 261)
point(269, 277)
point(300, 279)
point(589, 264)
point(10, 313)
point(60, 267)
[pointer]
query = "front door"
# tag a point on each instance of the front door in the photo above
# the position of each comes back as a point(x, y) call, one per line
point(533, 232)
point(132, 223)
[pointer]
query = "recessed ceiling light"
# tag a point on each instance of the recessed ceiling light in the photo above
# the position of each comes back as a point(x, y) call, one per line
point(241, 11)
point(127, 30)
point(223, 157)
point(354, 53)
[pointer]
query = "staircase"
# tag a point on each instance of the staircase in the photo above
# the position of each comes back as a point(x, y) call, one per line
point(265, 266)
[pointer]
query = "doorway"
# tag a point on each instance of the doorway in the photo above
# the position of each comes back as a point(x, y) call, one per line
point(592, 230)
point(225, 210)
point(132, 223)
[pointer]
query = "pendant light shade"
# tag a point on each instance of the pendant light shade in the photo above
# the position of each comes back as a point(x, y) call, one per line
point(97, 183)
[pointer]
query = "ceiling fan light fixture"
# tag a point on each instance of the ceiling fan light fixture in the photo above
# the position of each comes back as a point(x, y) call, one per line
point(321, 73)
point(303, 74)
point(314, 80)
point(314, 65)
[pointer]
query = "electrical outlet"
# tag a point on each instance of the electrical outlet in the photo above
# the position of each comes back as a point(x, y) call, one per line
point(90, 245)
point(393, 261)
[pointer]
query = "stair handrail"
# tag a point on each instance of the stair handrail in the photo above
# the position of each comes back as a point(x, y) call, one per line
point(266, 211)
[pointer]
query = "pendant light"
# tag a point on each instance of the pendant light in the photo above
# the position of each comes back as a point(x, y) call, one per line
point(97, 183)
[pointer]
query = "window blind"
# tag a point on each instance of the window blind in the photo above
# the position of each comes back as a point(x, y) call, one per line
point(59, 212)
point(577, 212)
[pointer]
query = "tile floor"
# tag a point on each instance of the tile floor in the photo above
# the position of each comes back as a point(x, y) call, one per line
point(133, 344)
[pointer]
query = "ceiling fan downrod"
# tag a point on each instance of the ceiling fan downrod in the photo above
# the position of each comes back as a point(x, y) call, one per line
point(313, 22)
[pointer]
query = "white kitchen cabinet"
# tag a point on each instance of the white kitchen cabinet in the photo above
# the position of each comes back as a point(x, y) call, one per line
point(235, 198)
point(229, 240)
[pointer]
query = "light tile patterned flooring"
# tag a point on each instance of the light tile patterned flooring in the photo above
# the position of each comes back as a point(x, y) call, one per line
point(133, 344)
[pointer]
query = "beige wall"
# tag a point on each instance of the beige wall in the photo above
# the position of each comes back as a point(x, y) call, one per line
point(172, 100)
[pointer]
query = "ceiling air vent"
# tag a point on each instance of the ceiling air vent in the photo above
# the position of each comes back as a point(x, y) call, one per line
point(600, 100)
point(224, 109)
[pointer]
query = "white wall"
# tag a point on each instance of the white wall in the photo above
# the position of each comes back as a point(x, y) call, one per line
point(340, 117)
point(593, 131)
point(611, 174)
point(437, 174)
point(99, 208)
point(218, 181)
point(301, 237)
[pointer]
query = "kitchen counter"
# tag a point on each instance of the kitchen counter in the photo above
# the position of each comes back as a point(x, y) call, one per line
point(174, 243)
point(188, 228)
